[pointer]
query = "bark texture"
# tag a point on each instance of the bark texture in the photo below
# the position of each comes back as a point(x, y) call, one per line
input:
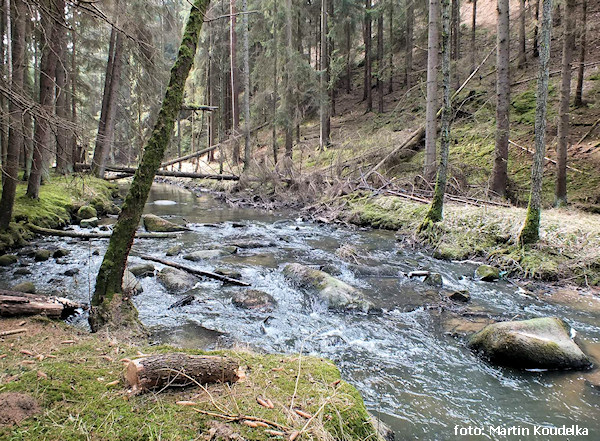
point(410, 24)
point(432, 86)
point(368, 93)
point(19, 304)
point(109, 307)
point(324, 110)
point(582, 50)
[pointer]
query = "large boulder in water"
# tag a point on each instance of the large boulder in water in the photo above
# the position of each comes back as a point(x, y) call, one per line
point(336, 293)
point(175, 280)
point(131, 285)
point(155, 224)
point(254, 299)
point(198, 256)
point(487, 273)
point(540, 343)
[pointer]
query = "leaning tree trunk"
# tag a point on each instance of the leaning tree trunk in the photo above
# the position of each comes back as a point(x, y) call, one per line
point(10, 168)
point(432, 100)
point(531, 229)
point(582, 49)
point(109, 307)
point(563, 109)
point(437, 204)
point(500, 170)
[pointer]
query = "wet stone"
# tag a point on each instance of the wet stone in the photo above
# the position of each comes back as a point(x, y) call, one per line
point(71, 272)
point(174, 250)
point(22, 272)
point(254, 299)
point(8, 259)
point(61, 252)
point(42, 255)
point(27, 287)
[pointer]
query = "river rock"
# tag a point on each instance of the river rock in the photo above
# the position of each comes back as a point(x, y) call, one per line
point(8, 259)
point(232, 274)
point(254, 299)
point(338, 294)
point(487, 273)
point(87, 212)
point(155, 224)
point(113, 209)
point(187, 300)
point(131, 285)
point(71, 272)
point(42, 255)
point(434, 279)
point(460, 296)
point(27, 287)
point(250, 243)
point(175, 280)
point(543, 343)
point(331, 270)
point(61, 252)
point(379, 270)
point(200, 255)
point(22, 272)
point(89, 223)
point(174, 250)
point(143, 270)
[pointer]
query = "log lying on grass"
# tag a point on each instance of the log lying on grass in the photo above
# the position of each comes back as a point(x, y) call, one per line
point(16, 304)
point(180, 370)
point(99, 235)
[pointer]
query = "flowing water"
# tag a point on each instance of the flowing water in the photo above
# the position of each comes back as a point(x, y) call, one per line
point(415, 377)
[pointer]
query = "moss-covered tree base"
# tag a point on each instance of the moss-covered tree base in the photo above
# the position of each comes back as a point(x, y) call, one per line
point(530, 233)
point(117, 314)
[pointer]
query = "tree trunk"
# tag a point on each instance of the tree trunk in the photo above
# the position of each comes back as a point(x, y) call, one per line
point(391, 51)
point(368, 93)
point(500, 170)
point(536, 46)
point(246, 86)
point(289, 89)
point(180, 370)
point(348, 59)
point(10, 168)
point(4, 13)
point(42, 145)
point(531, 228)
point(565, 99)
point(582, 49)
point(522, 57)
point(432, 99)
point(380, 67)
point(324, 80)
point(76, 150)
point(410, 24)
point(275, 145)
point(64, 162)
point(109, 307)
point(435, 213)
point(235, 89)
point(473, 36)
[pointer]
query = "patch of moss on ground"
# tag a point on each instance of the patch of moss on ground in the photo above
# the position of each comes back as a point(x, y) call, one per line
point(78, 401)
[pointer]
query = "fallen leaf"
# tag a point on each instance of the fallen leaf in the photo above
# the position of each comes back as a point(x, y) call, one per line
point(262, 402)
point(275, 432)
point(279, 369)
point(26, 352)
point(186, 403)
point(270, 404)
point(113, 383)
point(67, 342)
point(303, 414)
point(42, 375)
point(28, 362)
point(261, 424)
point(294, 436)
point(250, 423)
point(50, 356)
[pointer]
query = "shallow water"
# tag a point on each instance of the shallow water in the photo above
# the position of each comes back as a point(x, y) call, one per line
point(420, 381)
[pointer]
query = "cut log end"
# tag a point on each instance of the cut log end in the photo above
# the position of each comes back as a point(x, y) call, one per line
point(179, 370)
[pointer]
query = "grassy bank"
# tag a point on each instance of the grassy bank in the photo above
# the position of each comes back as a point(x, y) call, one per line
point(71, 375)
point(57, 205)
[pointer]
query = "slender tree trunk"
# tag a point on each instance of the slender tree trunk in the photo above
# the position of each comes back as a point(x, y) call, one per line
point(110, 309)
point(522, 57)
point(500, 170)
point(324, 80)
point(348, 62)
point(531, 228)
point(76, 153)
point(42, 147)
point(4, 73)
point(330, 50)
point(10, 168)
point(289, 89)
point(435, 213)
point(247, 152)
point(473, 36)
point(368, 93)
point(276, 82)
point(235, 89)
point(582, 49)
point(380, 67)
point(64, 163)
point(432, 99)
point(410, 24)
point(391, 51)
point(536, 46)
point(565, 99)
point(212, 93)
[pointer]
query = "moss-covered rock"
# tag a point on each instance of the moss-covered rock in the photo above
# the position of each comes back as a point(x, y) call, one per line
point(89, 223)
point(8, 259)
point(231, 273)
point(434, 279)
point(155, 224)
point(61, 252)
point(42, 255)
point(174, 250)
point(28, 287)
point(460, 296)
point(543, 343)
point(337, 294)
point(198, 256)
point(254, 299)
point(175, 280)
point(143, 270)
point(87, 212)
point(487, 273)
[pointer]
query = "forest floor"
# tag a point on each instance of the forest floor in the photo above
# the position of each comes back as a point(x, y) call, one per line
point(71, 383)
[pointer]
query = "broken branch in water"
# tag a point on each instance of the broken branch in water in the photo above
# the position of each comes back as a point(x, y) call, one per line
point(91, 235)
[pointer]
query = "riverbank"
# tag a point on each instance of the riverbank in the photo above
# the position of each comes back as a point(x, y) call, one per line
point(76, 390)
point(57, 205)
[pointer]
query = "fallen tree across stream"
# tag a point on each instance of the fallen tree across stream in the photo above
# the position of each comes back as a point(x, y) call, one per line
point(16, 304)
point(125, 172)
point(96, 235)
point(192, 270)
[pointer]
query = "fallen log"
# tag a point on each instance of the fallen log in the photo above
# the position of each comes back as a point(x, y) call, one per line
point(98, 235)
point(13, 332)
point(124, 171)
point(198, 272)
point(179, 370)
point(15, 304)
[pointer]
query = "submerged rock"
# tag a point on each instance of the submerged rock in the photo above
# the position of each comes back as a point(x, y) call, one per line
point(155, 224)
point(487, 273)
point(131, 285)
point(336, 293)
point(543, 343)
point(187, 300)
point(27, 287)
point(42, 255)
point(254, 299)
point(87, 212)
point(143, 270)
point(200, 255)
point(8, 259)
point(175, 280)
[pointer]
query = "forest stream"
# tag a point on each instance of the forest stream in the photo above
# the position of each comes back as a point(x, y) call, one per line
point(415, 377)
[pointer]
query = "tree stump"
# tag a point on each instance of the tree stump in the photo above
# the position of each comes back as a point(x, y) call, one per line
point(180, 370)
